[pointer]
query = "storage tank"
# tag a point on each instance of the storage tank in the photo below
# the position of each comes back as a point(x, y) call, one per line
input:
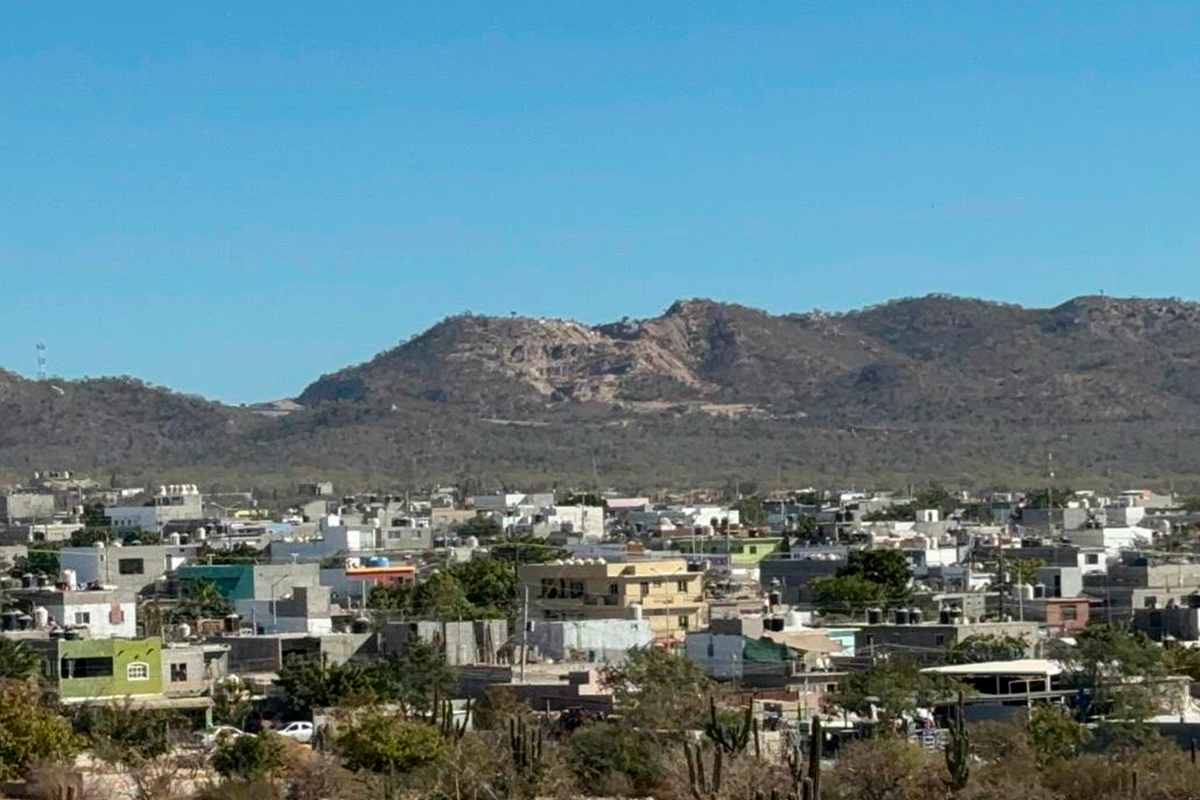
point(900, 616)
point(874, 616)
point(635, 613)
point(915, 616)
point(69, 579)
point(184, 631)
point(793, 619)
point(176, 539)
point(41, 617)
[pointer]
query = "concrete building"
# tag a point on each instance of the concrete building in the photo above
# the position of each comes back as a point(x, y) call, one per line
point(130, 570)
point(258, 591)
point(791, 573)
point(590, 640)
point(463, 642)
point(21, 505)
point(103, 613)
point(172, 503)
point(664, 592)
point(930, 641)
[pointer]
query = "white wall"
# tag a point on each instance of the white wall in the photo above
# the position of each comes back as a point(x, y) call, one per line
point(99, 624)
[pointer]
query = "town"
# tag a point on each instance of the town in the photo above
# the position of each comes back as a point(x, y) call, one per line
point(325, 642)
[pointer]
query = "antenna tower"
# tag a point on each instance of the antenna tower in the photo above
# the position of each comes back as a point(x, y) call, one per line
point(41, 361)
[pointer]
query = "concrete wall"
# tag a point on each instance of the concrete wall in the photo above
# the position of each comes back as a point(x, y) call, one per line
point(588, 640)
point(26, 505)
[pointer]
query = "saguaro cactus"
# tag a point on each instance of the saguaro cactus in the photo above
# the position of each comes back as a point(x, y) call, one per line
point(958, 748)
point(704, 786)
point(526, 745)
point(731, 738)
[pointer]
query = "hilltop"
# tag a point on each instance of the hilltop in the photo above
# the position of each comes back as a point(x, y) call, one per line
point(946, 387)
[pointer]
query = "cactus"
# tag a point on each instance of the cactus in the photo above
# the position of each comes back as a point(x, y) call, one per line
point(812, 781)
point(958, 749)
point(730, 738)
point(526, 746)
point(444, 719)
point(704, 787)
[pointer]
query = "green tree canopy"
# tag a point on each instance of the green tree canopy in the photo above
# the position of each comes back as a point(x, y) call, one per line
point(895, 687)
point(658, 689)
point(29, 731)
point(888, 568)
point(389, 745)
point(416, 678)
point(308, 684)
point(847, 594)
point(18, 661)
point(983, 647)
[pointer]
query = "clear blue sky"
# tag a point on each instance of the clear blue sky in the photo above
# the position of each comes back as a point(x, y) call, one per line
point(231, 198)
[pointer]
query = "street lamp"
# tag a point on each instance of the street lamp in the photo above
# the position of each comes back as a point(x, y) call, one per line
point(274, 616)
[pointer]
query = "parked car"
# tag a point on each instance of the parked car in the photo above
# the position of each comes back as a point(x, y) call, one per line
point(213, 736)
point(300, 731)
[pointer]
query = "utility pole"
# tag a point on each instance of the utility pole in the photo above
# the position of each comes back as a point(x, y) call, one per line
point(524, 630)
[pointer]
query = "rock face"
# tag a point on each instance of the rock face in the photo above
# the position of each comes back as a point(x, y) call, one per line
point(934, 386)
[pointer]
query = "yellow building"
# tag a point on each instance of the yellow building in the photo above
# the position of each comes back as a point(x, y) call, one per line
point(669, 597)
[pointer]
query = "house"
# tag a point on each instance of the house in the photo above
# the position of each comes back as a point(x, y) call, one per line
point(751, 651)
point(258, 591)
point(463, 642)
point(663, 591)
point(791, 573)
point(18, 505)
point(1180, 622)
point(930, 641)
point(102, 613)
point(131, 570)
point(172, 503)
point(353, 582)
point(590, 640)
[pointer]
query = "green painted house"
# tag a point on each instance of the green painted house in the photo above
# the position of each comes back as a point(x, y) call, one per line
point(743, 551)
point(90, 669)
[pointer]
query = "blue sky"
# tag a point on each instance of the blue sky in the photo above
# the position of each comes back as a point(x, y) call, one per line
point(232, 198)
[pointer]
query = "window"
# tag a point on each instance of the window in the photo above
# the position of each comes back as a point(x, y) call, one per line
point(178, 673)
point(613, 588)
point(1070, 612)
point(1092, 558)
point(138, 671)
point(753, 549)
point(645, 588)
point(683, 622)
point(131, 566)
point(576, 588)
point(86, 668)
point(83, 618)
point(681, 586)
point(547, 587)
point(939, 640)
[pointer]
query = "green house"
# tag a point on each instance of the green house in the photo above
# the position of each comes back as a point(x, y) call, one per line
point(743, 551)
point(91, 669)
point(232, 581)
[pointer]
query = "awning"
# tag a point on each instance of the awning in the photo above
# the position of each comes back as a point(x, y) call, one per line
point(810, 641)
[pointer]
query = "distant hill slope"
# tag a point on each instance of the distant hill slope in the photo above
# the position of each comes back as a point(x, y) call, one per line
point(959, 389)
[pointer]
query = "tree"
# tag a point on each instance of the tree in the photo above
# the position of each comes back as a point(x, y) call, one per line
point(938, 497)
point(1055, 735)
point(88, 537)
point(239, 554)
point(29, 731)
point(895, 688)
point(888, 568)
point(483, 528)
point(584, 499)
point(983, 647)
point(248, 758)
point(847, 594)
point(1024, 570)
point(416, 678)
point(308, 684)
point(897, 512)
point(750, 510)
point(1119, 672)
point(658, 689)
point(231, 702)
point(1056, 497)
point(525, 549)
point(202, 601)
point(604, 754)
point(17, 661)
point(389, 745)
point(122, 734)
point(487, 583)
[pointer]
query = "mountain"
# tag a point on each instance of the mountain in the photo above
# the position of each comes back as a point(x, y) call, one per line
point(958, 389)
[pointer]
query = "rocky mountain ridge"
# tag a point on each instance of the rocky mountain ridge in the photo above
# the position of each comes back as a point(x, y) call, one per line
point(918, 387)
